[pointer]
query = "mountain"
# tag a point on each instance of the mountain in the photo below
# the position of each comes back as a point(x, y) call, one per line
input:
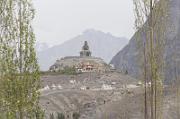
point(101, 44)
point(126, 59)
point(41, 46)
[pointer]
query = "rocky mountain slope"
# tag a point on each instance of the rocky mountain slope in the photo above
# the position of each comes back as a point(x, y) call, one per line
point(128, 57)
point(101, 44)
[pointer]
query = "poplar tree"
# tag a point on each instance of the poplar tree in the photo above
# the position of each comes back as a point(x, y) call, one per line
point(176, 82)
point(19, 71)
point(151, 23)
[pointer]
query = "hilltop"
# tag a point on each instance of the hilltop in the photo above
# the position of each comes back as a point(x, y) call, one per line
point(102, 45)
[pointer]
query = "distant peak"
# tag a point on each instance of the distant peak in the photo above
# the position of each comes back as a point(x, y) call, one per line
point(91, 31)
point(94, 32)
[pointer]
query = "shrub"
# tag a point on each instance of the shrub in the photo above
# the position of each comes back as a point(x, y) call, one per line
point(76, 115)
point(60, 116)
point(51, 116)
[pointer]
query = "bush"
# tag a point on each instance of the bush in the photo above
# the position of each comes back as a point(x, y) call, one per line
point(68, 71)
point(51, 116)
point(60, 116)
point(76, 115)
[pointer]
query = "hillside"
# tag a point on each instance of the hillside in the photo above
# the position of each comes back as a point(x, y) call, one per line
point(87, 95)
point(101, 44)
point(128, 57)
point(99, 96)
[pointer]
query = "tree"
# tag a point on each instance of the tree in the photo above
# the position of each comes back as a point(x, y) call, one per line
point(76, 115)
point(60, 116)
point(151, 22)
point(176, 83)
point(51, 116)
point(19, 71)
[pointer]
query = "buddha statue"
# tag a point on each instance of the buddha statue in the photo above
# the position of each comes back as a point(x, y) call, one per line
point(85, 52)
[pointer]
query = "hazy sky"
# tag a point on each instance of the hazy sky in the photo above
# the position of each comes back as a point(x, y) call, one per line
point(60, 20)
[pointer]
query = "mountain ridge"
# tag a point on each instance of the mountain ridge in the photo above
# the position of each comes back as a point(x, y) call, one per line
point(103, 45)
point(127, 58)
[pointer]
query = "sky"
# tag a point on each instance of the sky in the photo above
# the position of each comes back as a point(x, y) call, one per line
point(57, 21)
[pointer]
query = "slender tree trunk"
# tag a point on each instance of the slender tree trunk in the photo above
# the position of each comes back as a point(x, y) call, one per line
point(20, 52)
point(155, 100)
point(177, 91)
point(151, 58)
point(153, 11)
point(145, 84)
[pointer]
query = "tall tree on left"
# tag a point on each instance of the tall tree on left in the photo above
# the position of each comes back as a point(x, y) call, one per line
point(19, 71)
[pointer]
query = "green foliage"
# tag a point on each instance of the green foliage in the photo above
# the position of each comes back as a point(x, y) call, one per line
point(60, 116)
point(76, 115)
point(151, 23)
point(68, 71)
point(19, 71)
point(39, 114)
point(65, 71)
point(126, 72)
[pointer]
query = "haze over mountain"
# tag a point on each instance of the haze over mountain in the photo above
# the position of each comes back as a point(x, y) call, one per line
point(41, 46)
point(127, 58)
point(101, 44)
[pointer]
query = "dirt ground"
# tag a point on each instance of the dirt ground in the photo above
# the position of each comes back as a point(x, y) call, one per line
point(97, 96)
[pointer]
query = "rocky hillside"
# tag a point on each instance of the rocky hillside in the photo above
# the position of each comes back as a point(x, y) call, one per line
point(127, 58)
point(99, 96)
point(101, 44)
point(87, 95)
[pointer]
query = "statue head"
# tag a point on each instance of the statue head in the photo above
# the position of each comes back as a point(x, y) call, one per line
point(85, 47)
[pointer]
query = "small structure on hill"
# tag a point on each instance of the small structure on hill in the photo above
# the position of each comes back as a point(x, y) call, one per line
point(85, 52)
point(83, 63)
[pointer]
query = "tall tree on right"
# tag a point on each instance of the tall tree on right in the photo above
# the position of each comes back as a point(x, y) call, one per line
point(151, 22)
point(176, 82)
